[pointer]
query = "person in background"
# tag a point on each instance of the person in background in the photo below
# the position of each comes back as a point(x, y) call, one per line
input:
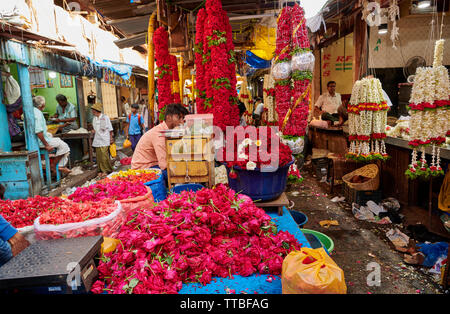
point(329, 105)
point(259, 109)
point(135, 126)
point(143, 111)
point(242, 110)
point(126, 108)
point(47, 141)
point(190, 106)
point(66, 115)
point(103, 138)
point(151, 150)
point(89, 116)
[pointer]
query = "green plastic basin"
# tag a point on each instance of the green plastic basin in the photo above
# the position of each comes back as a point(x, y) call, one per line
point(323, 238)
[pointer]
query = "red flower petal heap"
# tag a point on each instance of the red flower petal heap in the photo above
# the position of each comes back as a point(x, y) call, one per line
point(191, 237)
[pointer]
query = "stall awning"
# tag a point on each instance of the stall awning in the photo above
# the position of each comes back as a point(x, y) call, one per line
point(13, 51)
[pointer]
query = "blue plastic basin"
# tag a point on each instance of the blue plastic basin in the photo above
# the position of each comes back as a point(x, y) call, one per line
point(299, 217)
point(187, 187)
point(259, 185)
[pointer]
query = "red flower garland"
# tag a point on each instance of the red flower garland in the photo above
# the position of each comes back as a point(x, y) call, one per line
point(175, 78)
point(221, 83)
point(297, 123)
point(199, 66)
point(162, 57)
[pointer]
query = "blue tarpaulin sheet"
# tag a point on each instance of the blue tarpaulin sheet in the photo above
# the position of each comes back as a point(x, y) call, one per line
point(256, 283)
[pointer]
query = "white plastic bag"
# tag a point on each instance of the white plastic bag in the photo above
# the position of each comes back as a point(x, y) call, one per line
point(296, 145)
point(107, 226)
point(12, 88)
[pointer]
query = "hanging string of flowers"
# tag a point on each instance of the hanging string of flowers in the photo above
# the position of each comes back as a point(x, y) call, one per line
point(367, 111)
point(175, 79)
point(221, 92)
point(269, 99)
point(199, 65)
point(161, 42)
point(429, 109)
point(302, 66)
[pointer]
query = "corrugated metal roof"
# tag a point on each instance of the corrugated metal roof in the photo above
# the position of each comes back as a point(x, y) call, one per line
point(42, 57)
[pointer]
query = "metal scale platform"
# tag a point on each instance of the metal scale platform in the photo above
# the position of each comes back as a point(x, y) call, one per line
point(62, 266)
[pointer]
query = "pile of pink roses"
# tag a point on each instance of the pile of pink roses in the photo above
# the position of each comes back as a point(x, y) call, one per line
point(112, 190)
point(190, 238)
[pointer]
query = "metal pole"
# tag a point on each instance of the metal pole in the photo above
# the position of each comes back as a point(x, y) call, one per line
point(5, 138)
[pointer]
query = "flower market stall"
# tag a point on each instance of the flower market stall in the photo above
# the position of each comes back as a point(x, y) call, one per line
point(138, 236)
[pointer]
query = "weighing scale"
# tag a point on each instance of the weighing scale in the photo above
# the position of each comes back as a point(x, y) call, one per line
point(60, 266)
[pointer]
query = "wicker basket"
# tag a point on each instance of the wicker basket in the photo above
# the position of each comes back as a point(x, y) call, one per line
point(370, 171)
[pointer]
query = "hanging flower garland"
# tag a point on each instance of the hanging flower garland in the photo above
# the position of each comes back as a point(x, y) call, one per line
point(175, 80)
point(367, 111)
point(245, 96)
point(221, 92)
point(269, 95)
point(429, 110)
point(281, 67)
point(302, 66)
point(162, 57)
point(199, 65)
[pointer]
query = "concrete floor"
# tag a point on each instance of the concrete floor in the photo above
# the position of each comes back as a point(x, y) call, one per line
point(358, 243)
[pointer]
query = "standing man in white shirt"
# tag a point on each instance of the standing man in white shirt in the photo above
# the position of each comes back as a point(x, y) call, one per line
point(103, 139)
point(257, 113)
point(329, 104)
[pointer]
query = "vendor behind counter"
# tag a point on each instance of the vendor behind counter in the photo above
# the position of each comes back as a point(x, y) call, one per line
point(66, 115)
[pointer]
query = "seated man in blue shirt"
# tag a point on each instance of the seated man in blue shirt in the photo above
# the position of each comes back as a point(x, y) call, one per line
point(135, 127)
point(11, 241)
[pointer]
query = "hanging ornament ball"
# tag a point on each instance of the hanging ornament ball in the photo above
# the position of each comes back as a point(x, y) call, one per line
point(281, 71)
point(303, 62)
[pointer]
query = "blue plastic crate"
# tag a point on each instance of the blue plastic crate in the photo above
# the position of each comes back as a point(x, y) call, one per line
point(194, 187)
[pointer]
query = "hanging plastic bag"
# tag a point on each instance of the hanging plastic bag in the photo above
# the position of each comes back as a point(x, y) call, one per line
point(127, 143)
point(12, 88)
point(311, 271)
point(113, 150)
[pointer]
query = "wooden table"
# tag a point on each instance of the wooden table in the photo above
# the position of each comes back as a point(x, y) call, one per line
point(332, 139)
point(74, 136)
point(278, 203)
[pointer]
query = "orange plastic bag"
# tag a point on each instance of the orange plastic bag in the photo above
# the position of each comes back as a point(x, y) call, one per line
point(109, 245)
point(311, 271)
point(126, 143)
point(129, 205)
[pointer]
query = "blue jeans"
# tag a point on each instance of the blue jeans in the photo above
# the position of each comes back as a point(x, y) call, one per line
point(5, 252)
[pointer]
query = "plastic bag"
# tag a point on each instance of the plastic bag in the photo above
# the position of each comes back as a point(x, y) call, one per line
point(131, 204)
point(303, 62)
point(113, 150)
point(12, 88)
point(281, 70)
point(311, 271)
point(109, 245)
point(126, 143)
point(108, 226)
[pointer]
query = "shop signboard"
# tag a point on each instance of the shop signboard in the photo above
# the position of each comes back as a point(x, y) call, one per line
point(337, 65)
point(112, 78)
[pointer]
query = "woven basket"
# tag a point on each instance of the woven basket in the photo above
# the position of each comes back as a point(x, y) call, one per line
point(370, 171)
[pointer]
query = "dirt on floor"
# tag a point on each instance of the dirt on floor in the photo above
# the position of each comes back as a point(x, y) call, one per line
point(357, 243)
